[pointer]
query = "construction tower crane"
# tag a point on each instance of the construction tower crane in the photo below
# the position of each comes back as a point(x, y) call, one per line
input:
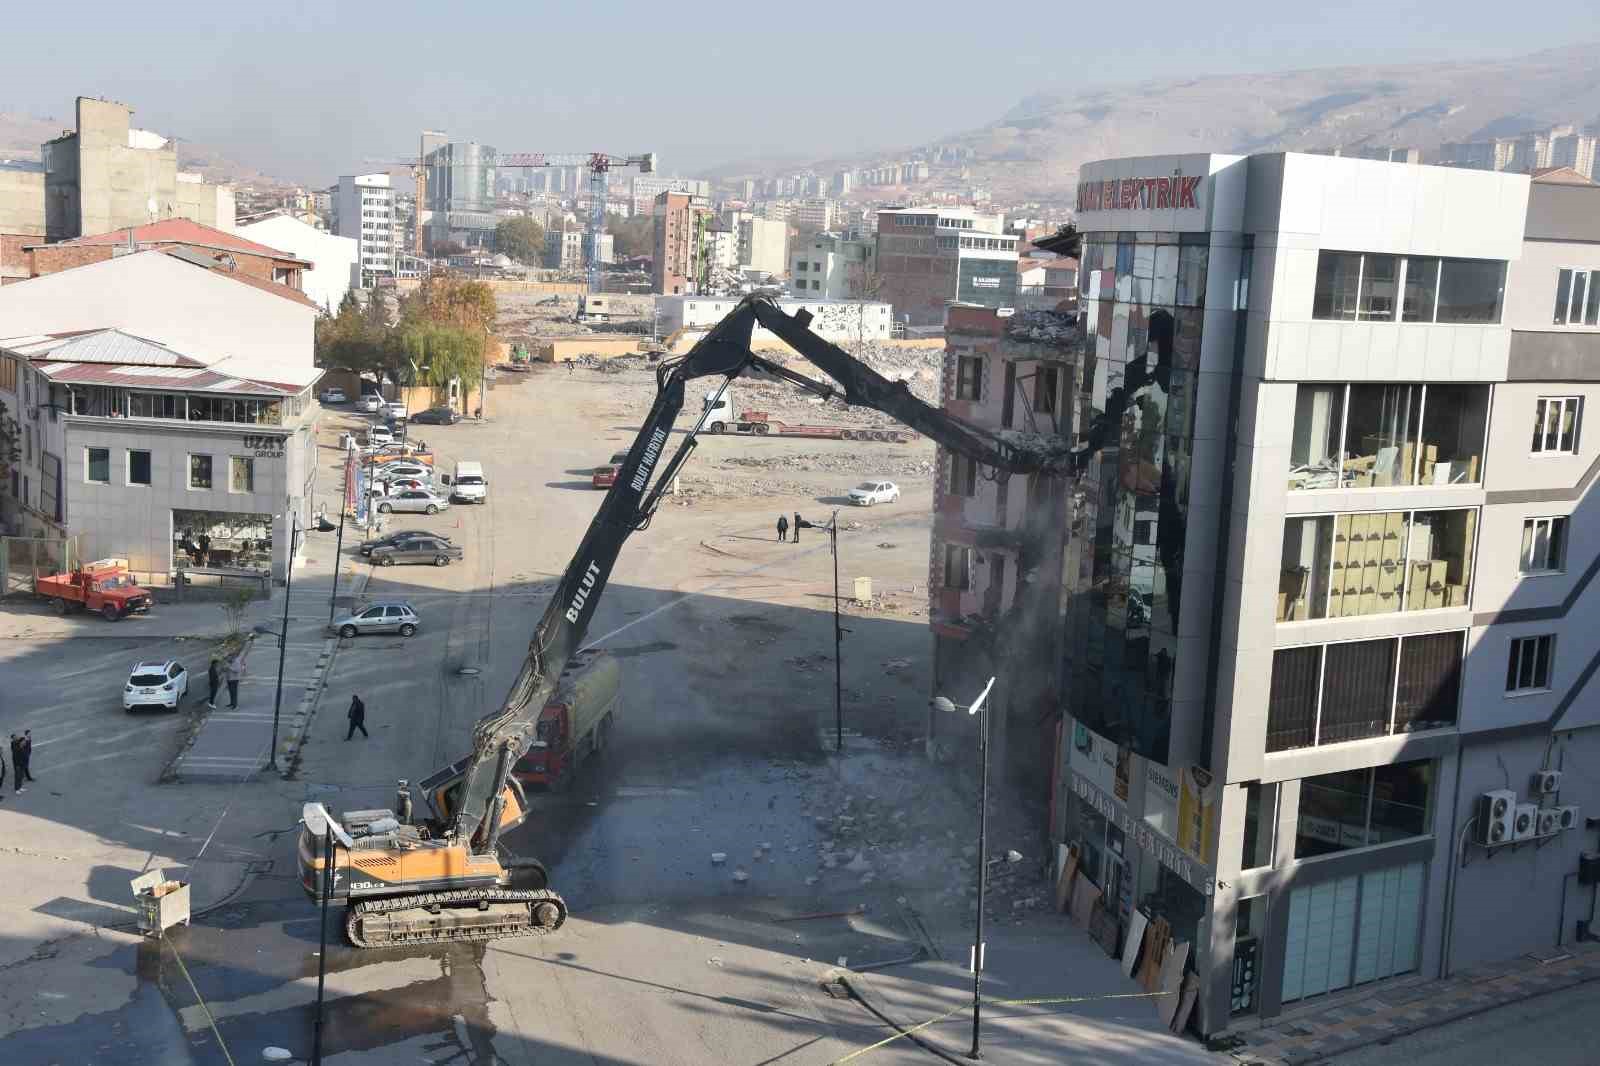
point(600, 165)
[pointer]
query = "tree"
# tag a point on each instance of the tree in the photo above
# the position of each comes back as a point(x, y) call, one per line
point(451, 301)
point(522, 239)
point(442, 353)
point(631, 236)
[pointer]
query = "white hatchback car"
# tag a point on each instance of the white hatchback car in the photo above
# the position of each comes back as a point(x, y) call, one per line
point(370, 402)
point(870, 492)
point(162, 684)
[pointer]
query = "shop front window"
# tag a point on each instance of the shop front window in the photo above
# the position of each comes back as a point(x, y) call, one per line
point(1359, 808)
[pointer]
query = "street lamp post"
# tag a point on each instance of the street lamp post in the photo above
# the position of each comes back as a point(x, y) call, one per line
point(338, 559)
point(978, 707)
point(322, 951)
point(838, 640)
point(283, 633)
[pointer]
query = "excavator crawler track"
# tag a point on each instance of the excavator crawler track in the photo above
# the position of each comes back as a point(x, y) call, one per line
point(446, 917)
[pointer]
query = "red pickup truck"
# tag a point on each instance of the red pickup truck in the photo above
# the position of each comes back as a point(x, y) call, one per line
point(107, 589)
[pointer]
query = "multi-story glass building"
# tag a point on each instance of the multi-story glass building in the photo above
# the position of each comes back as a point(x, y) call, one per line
point(1325, 641)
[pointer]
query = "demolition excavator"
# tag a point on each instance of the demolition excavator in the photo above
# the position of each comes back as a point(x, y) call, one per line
point(445, 876)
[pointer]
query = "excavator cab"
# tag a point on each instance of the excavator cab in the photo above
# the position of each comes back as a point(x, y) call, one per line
point(442, 789)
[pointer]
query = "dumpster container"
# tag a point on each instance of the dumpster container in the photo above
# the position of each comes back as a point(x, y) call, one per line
point(162, 903)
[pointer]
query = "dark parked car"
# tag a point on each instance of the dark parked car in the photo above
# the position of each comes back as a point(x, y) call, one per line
point(397, 536)
point(417, 550)
point(437, 416)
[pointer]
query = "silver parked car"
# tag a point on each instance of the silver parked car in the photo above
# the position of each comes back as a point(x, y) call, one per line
point(413, 501)
point(435, 550)
point(379, 618)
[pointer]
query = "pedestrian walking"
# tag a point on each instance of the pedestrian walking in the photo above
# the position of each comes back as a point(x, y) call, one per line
point(214, 679)
point(783, 529)
point(797, 523)
point(16, 764)
point(22, 762)
point(3, 777)
point(234, 672)
point(358, 718)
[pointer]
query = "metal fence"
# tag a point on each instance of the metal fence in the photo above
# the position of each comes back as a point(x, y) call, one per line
point(23, 560)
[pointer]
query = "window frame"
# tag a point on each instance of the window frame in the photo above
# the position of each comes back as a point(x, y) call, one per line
point(1554, 536)
point(250, 472)
point(964, 568)
point(149, 461)
point(88, 464)
point(1401, 279)
point(1524, 654)
point(963, 476)
point(969, 387)
point(1403, 592)
point(1586, 303)
point(211, 472)
point(1543, 406)
point(1416, 437)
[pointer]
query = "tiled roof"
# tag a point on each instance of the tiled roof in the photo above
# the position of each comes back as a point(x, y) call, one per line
point(182, 231)
point(103, 346)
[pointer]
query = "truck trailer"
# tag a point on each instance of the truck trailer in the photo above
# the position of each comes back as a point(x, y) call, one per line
point(575, 724)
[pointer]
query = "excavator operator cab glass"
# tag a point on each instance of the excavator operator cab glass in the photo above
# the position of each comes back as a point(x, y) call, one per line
point(548, 732)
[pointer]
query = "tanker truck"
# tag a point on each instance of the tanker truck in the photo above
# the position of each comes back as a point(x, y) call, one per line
point(575, 724)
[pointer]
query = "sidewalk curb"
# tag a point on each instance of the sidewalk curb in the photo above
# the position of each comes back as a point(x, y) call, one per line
point(1560, 985)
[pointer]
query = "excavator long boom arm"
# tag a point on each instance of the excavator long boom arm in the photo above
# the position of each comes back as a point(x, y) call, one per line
point(502, 736)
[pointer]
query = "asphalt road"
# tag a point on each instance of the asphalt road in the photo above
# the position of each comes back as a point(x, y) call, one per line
point(1559, 1029)
point(668, 958)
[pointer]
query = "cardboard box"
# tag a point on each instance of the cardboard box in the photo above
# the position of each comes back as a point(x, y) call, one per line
point(1335, 603)
point(1455, 595)
point(1369, 603)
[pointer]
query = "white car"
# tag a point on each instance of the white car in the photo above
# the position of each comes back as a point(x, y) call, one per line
point(377, 434)
point(334, 395)
point(403, 469)
point(399, 484)
point(870, 492)
point(158, 684)
point(395, 409)
point(370, 402)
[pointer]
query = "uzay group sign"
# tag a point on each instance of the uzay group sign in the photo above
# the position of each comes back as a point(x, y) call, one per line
point(1139, 194)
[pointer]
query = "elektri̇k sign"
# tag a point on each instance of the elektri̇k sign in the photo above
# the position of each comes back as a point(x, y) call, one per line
point(1175, 192)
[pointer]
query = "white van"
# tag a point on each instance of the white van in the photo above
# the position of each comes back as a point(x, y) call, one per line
point(469, 485)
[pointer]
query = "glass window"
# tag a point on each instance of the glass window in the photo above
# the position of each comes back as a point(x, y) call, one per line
point(1453, 424)
point(1529, 667)
point(963, 475)
point(200, 471)
point(1578, 298)
point(1192, 275)
point(1380, 276)
point(1555, 425)
point(1471, 290)
point(1307, 553)
point(1421, 297)
point(1046, 383)
point(1292, 698)
point(97, 465)
point(241, 474)
point(1358, 808)
point(1380, 435)
point(1260, 821)
point(1338, 282)
point(1357, 690)
point(1314, 450)
point(1544, 545)
point(969, 378)
point(138, 467)
point(1333, 813)
point(1440, 559)
point(957, 566)
point(1430, 681)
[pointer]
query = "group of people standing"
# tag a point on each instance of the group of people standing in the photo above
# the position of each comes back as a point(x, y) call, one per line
point(784, 527)
point(21, 757)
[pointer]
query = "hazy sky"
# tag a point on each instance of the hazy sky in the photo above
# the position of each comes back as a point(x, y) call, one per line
point(310, 91)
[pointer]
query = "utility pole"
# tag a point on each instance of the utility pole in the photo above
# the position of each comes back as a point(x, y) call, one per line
point(322, 954)
point(838, 640)
point(283, 632)
point(338, 558)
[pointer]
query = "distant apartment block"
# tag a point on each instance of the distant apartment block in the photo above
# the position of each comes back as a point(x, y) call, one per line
point(1559, 146)
point(460, 194)
point(839, 321)
point(814, 214)
point(680, 223)
point(931, 256)
point(763, 245)
point(830, 267)
point(364, 209)
point(644, 188)
point(565, 247)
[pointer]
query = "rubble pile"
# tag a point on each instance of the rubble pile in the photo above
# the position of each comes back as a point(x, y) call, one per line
point(909, 464)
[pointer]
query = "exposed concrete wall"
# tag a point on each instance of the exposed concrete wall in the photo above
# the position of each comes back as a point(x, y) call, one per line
point(21, 201)
point(61, 188)
point(116, 182)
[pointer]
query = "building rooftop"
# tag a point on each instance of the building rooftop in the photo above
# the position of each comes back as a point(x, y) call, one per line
point(111, 346)
point(178, 231)
point(1560, 176)
point(113, 357)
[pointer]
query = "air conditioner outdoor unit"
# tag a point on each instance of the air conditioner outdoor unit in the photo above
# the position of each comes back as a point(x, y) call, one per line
point(1525, 822)
point(1549, 821)
point(1495, 812)
point(1545, 782)
point(1569, 817)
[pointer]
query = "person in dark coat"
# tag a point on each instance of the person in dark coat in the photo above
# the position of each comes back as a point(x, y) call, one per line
point(783, 529)
point(16, 763)
point(3, 776)
point(797, 523)
point(358, 717)
point(23, 760)
point(214, 679)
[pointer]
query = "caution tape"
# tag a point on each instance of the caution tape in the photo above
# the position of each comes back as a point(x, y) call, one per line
point(1036, 1001)
point(198, 999)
